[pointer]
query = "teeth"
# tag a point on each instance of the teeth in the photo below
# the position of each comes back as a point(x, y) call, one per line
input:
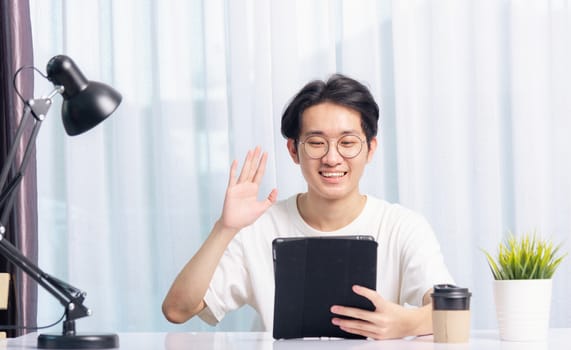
point(333, 174)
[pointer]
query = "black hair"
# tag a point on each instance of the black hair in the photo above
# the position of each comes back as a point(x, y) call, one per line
point(338, 89)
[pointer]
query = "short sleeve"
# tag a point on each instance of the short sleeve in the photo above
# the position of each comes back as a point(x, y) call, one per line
point(422, 262)
point(230, 285)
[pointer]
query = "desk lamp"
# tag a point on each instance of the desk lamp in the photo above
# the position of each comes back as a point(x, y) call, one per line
point(86, 104)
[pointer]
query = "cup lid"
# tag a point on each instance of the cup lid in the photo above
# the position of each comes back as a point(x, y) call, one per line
point(450, 291)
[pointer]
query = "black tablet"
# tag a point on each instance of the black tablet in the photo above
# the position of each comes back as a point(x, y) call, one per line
point(312, 274)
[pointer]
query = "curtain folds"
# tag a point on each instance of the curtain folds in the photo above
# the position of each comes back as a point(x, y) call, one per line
point(475, 103)
point(16, 51)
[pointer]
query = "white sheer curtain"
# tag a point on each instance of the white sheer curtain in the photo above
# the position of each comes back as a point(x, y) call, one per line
point(475, 121)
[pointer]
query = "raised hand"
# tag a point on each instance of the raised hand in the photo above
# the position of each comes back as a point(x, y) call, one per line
point(241, 204)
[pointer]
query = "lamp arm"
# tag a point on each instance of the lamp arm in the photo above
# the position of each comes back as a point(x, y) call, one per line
point(69, 296)
point(4, 196)
point(12, 152)
point(37, 108)
point(10, 194)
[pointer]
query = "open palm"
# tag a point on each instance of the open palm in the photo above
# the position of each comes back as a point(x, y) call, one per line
point(241, 204)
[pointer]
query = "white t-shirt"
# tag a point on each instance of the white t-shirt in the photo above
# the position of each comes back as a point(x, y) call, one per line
point(409, 258)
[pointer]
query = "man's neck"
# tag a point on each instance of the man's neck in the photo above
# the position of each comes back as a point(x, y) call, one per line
point(329, 215)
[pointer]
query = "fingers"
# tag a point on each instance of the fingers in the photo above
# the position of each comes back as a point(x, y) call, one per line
point(232, 177)
point(384, 322)
point(370, 294)
point(352, 312)
point(361, 321)
point(272, 197)
point(255, 163)
point(357, 321)
point(245, 173)
point(254, 166)
point(365, 329)
point(261, 168)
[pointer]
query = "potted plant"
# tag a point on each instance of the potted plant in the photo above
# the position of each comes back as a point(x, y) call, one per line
point(523, 271)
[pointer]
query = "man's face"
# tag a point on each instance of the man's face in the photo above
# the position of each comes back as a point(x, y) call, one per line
point(331, 176)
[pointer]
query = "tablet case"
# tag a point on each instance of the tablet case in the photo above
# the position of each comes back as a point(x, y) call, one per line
point(312, 274)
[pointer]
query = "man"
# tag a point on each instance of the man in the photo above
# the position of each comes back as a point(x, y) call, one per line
point(331, 132)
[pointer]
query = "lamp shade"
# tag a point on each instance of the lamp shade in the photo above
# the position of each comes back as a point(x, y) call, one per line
point(86, 103)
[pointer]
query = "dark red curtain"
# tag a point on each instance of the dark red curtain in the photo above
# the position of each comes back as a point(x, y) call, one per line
point(22, 224)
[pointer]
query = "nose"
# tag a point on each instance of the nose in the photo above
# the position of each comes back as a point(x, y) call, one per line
point(332, 157)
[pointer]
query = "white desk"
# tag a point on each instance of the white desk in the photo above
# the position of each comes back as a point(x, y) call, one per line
point(481, 340)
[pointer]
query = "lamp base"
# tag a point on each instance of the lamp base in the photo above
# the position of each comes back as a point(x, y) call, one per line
point(78, 341)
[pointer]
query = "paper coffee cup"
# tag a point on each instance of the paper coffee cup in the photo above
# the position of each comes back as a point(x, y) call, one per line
point(451, 313)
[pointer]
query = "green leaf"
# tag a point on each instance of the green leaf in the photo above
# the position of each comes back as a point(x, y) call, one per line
point(524, 257)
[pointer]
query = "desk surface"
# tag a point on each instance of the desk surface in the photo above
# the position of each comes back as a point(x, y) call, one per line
point(481, 340)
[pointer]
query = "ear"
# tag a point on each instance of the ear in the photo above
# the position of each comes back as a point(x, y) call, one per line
point(291, 147)
point(372, 149)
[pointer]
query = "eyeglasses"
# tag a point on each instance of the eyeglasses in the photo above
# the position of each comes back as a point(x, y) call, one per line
point(348, 146)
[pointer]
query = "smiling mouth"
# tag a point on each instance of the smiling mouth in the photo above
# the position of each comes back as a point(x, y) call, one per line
point(335, 174)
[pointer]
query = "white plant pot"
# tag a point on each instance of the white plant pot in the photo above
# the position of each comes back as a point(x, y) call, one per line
point(522, 309)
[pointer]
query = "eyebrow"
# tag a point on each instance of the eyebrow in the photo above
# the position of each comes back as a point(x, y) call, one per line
point(321, 133)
